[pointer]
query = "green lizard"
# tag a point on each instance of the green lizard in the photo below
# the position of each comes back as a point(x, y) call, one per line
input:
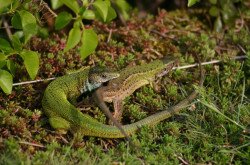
point(63, 115)
point(132, 78)
point(60, 96)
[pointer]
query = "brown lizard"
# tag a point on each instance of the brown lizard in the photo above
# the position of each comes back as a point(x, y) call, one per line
point(132, 78)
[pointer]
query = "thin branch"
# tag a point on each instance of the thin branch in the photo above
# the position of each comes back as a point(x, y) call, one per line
point(207, 63)
point(110, 34)
point(35, 81)
point(174, 68)
point(163, 35)
point(7, 27)
point(32, 144)
point(242, 49)
point(181, 159)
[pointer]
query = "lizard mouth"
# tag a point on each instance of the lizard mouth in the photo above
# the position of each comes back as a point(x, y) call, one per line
point(105, 83)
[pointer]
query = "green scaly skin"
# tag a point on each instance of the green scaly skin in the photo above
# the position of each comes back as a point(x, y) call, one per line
point(63, 115)
point(60, 97)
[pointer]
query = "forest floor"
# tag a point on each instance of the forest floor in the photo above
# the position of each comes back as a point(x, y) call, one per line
point(214, 129)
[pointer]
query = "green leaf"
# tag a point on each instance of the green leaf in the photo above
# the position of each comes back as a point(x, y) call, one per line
point(213, 1)
point(2, 63)
point(72, 4)
point(229, 12)
point(19, 34)
point(55, 4)
point(82, 10)
point(16, 43)
point(11, 66)
point(192, 2)
point(214, 11)
point(5, 45)
point(28, 24)
point(6, 81)
point(4, 4)
point(88, 14)
point(31, 62)
point(111, 14)
point(43, 32)
point(102, 8)
point(2, 57)
point(16, 21)
point(62, 20)
point(74, 38)
point(123, 7)
point(89, 43)
point(218, 24)
point(16, 4)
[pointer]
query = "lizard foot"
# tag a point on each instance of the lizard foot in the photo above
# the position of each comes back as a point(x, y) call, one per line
point(59, 124)
point(118, 116)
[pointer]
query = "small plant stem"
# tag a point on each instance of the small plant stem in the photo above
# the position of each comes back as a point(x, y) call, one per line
point(32, 144)
point(7, 28)
point(34, 81)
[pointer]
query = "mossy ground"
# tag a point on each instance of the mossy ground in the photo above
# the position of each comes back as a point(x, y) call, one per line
point(213, 130)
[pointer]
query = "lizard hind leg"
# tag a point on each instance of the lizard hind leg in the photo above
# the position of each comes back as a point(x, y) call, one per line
point(59, 124)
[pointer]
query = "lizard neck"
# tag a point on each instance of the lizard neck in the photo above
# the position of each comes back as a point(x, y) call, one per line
point(89, 86)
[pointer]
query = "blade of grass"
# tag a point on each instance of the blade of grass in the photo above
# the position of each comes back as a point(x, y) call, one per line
point(212, 107)
point(242, 98)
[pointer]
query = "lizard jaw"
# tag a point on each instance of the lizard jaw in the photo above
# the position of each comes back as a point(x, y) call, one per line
point(90, 86)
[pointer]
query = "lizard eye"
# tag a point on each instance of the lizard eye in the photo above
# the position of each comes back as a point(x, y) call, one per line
point(104, 76)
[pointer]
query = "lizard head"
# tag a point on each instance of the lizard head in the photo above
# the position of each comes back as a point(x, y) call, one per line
point(99, 75)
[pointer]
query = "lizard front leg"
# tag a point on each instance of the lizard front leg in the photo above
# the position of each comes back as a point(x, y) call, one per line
point(118, 110)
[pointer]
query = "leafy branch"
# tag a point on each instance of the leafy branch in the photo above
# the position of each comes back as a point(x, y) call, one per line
point(25, 24)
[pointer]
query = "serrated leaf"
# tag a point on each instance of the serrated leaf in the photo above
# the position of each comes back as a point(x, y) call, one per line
point(102, 8)
point(89, 43)
point(28, 24)
point(74, 38)
point(5, 45)
point(72, 4)
point(31, 62)
point(6, 81)
point(62, 20)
